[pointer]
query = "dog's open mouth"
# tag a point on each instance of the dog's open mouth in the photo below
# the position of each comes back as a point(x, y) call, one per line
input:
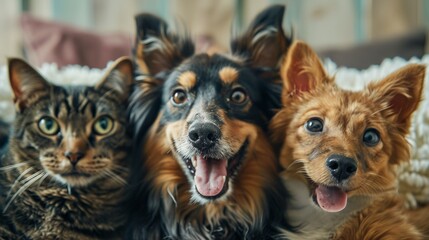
point(211, 175)
point(329, 198)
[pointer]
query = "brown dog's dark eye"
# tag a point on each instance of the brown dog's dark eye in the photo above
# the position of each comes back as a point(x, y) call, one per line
point(238, 96)
point(179, 97)
point(314, 125)
point(371, 137)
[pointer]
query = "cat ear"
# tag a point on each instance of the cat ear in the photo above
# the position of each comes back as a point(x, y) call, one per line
point(400, 93)
point(27, 84)
point(301, 71)
point(264, 42)
point(119, 78)
point(157, 49)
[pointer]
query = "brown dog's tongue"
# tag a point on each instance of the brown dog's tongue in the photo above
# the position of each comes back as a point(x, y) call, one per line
point(210, 175)
point(331, 199)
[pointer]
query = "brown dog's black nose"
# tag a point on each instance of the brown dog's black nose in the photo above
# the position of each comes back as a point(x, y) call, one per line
point(203, 135)
point(341, 167)
point(74, 157)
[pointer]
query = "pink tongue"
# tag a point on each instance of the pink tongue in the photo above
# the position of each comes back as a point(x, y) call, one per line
point(210, 175)
point(331, 199)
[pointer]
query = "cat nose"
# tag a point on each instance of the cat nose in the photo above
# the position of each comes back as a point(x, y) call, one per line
point(73, 157)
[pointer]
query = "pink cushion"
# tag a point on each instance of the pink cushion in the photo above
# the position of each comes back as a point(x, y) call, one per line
point(53, 42)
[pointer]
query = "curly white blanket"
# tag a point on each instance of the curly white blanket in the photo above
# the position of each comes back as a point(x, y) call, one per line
point(413, 176)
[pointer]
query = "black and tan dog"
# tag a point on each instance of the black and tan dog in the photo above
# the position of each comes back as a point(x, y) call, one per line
point(206, 170)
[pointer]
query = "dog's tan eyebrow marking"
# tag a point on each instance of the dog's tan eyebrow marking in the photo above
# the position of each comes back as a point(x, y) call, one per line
point(140, 62)
point(228, 74)
point(187, 79)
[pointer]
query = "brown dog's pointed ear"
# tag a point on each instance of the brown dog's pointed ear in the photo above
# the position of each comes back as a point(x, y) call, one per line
point(27, 84)
point(119, 78)
point(400, 93)
point(157, 49)
point(264, 42)
point(301, 71)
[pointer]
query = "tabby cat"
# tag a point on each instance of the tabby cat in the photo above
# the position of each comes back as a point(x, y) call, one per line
point(64, 174)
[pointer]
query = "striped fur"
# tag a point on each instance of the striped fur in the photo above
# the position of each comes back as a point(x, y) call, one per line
point(39, 198)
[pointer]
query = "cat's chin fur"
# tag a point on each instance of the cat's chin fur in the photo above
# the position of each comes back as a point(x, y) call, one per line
point(77, 181)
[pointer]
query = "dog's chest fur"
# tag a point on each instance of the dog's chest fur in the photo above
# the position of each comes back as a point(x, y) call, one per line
point(309, 221)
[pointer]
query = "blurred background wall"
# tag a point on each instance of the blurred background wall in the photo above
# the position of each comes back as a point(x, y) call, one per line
point(324, 24)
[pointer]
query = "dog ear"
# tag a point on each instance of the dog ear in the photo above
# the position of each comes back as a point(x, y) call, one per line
point(157, 49)
point(264, 42)
point(301, 71)
point(119, 78)
point(27, 84)
point(400, 93)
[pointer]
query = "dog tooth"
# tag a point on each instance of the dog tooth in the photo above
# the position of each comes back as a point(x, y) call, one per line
point(194, 161)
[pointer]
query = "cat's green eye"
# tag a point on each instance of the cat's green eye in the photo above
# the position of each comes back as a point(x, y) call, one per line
point(103, 125)
point(48, 126)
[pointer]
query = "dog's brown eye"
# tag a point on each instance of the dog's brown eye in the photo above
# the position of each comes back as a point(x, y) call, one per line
point(179, 97)
point(371, 137)
point(238, 96)
point(314, 125)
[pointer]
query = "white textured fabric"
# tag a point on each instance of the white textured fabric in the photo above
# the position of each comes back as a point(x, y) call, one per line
point(413, 176)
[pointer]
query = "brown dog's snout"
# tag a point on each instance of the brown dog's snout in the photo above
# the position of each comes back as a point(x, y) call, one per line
point(341, 167)
point(203, 135)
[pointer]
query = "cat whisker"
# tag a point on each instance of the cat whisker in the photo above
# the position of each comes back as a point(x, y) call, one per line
point(22, 189)
point(52, 181)
point(116, 177)
point(24, 181)
point(120, 169)
point(17, 180)
point(42, 179)
point(13, 166)
point(69, 190)
point(119, 178)
point(30, 177)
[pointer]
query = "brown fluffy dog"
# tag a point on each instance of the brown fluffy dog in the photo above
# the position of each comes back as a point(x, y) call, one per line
point(339, 150)
point(208, 170)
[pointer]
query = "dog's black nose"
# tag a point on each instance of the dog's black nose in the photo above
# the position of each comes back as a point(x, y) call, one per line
point(341, 167)
point(203, 135)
